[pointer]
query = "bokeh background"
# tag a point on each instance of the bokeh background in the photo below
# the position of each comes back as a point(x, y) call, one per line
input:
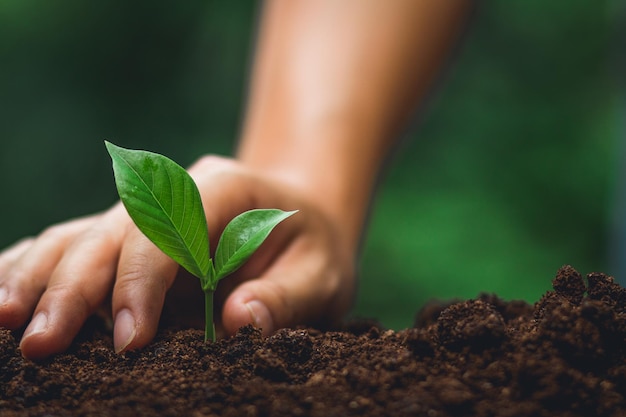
point(509, 172)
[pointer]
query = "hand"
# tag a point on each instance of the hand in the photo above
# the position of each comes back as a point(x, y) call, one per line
point(302, 274)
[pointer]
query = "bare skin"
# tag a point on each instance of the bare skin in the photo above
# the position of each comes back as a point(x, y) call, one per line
point(332, 86)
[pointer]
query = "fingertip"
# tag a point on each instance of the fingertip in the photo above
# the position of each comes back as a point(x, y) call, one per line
point(12, 313)
point(38, 341)
point(144, 275)
point(279, 301)
point(31, 349)
point(260, 316)
point(241, 310)
point(132, 330)
point(124, 331)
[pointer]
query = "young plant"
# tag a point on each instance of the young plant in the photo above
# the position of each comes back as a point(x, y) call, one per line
point(164, 202)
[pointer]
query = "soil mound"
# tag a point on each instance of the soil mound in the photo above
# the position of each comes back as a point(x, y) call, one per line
point(564, 356)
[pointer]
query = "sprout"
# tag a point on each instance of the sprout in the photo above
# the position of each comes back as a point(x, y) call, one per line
point(164, 202)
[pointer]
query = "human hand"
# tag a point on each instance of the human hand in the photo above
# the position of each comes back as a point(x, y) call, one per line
point(303, 273)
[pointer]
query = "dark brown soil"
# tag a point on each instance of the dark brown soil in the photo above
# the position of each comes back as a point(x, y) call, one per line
point(564, 356)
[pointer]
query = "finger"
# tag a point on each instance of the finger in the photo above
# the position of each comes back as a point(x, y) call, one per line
point(79, 283)
point(143, 277)
point(26, 268)
point(12, 253)
point(301, 289)
point(7, 258)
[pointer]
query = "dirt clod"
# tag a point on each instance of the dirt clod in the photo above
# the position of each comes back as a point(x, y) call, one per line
point(569, 283)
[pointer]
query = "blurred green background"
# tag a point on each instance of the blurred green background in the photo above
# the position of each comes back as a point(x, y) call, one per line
point(507, 174)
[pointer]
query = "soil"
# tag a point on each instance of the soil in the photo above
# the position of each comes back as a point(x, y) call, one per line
point(564, 356)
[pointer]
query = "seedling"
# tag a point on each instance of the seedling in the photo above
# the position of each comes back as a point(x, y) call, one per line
point(164, 202)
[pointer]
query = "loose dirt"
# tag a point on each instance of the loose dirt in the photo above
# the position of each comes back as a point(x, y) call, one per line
point(564, 356)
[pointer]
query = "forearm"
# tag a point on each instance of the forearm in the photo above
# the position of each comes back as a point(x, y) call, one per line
point(333, 84)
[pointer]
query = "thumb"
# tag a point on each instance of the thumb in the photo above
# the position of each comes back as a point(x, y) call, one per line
point(277, 301)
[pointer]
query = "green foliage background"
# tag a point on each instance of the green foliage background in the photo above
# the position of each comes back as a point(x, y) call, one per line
point(506, 175)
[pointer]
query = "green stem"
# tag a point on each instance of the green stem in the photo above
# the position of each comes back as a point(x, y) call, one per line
point(209, 327)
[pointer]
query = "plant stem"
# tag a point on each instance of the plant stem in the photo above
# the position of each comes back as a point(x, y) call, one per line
point(209, 327)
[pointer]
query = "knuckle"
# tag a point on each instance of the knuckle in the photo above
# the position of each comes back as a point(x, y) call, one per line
point(13, 252)
point(218, 168)
point(64, 232)
point(71, 295)
point(135, 278)
point(94, 235)
point(211, 162)
point(24, 242)
point(131, 276)
point(16, 272)
point(53, 233)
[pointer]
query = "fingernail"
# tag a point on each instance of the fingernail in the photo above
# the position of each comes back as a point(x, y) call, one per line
point(124, 331)
point(38, 324)
point(4, 295)
point(260, 316)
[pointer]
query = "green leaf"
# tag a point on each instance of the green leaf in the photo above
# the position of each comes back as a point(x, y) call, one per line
point(243, 236)
point(164, 202)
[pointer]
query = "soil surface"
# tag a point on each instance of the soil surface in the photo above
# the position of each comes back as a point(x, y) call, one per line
point(564, 356)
